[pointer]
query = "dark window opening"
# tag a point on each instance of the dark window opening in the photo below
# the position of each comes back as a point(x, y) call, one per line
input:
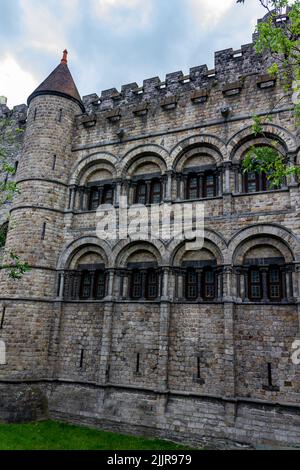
point(141, 193)
point(54, 163)
point(86, 285)
point(138, 363)
point(201, 186)
point(274, 284)
point(94, 199)
point(136, 285)
point(191, 284)
point(81, 358)
point(43, 234)
point(3, 234)
point(208, 285)
point(2, 318)
point(255, 182)
point(99, 285)
point(152, 284)
point(193, 187)
point(108, 195)
point(270, 377)
point(255, 284)
point(144, 284)
point(155, 192)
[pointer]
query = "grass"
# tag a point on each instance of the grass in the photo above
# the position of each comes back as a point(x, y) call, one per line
point(52, 435)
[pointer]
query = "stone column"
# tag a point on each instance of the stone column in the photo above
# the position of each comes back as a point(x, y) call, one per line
point(228, 283)
point(227, 167)
point(265, 284)
point(199, 282)
point(61, 285)
point(238, 284)
point(246, 286)
point(168, 193)
point(236, 179)
point(184, 186)
point(110, 284)
point(292, 180)
point(180, 283)
point(165, 284)
point(117, 192)
point(178, 187)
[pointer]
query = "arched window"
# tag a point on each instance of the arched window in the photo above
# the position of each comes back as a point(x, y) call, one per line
point(152, 284)
point(193, 187)
point(108, 195)
point(275, 283)
point(208, 284)
point(86, 285)
point(94, 199)
point(99, 285)
point(256, 182)
point(136, 285)
point(155, 192)
point(209, 185)
point(191, 284)
point(255, 284)
point(203, 185)
point(141, 193)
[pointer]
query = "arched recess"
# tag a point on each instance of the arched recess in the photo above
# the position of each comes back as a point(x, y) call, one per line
point(284, 240)
point(83, 170)
point(125, 250)
point(243, 139)
point(212, 240)
point(204, 143)
point(143, 155)
point(81, 247)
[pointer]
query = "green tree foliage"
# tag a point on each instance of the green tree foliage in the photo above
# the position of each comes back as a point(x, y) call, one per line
point(282, 40)
point(15, 268)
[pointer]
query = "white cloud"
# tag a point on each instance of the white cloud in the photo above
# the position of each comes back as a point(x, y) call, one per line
point(15, 83)
point(45, 28)
point(123, 15)
point(208, 13)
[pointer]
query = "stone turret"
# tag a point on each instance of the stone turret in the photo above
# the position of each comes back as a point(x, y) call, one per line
point(37, 215)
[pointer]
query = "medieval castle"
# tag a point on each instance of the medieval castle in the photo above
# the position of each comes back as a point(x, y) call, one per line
point(141, 335)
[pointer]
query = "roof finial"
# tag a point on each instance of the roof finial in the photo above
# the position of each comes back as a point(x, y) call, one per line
point(64, 60)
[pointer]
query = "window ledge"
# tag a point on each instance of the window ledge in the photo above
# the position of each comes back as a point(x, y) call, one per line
point(282, 190)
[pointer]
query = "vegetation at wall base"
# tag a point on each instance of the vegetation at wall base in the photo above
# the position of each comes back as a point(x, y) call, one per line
point(53, 435)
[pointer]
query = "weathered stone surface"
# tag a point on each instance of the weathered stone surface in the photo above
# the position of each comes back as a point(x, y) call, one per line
point(191, 371)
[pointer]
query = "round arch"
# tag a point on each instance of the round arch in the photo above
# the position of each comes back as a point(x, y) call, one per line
point(269, 132)
point(125, 249)
point(81, 246)
point(159, 154)
point(265, 232)
point(107, 159)
point(212, 241)
point(202, 141)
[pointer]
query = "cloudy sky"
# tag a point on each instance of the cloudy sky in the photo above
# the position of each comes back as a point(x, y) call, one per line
point(114, 42)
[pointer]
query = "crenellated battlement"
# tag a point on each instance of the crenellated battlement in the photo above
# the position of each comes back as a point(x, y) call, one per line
point(18, 114)
point(230, 67)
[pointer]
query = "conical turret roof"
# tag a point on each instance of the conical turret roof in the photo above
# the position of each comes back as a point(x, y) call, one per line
point(60, 82)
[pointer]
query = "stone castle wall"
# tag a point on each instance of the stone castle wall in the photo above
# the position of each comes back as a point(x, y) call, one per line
point(193, 371)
